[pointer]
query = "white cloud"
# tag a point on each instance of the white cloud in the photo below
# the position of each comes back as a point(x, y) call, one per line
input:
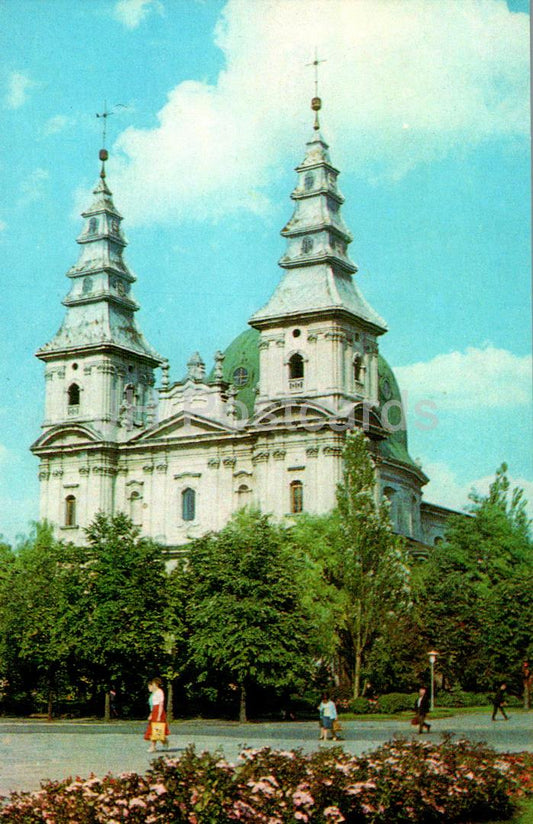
point(474, 379)
point(445, 488)
point(56, 124)
point(403, 83)
point(131, 13)
point(32, 187)
point(18, 86)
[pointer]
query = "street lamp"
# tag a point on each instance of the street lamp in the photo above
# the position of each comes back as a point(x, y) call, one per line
point(432, 658)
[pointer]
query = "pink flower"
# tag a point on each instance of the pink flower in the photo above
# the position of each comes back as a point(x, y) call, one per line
point(334, 815)
point(301, 797)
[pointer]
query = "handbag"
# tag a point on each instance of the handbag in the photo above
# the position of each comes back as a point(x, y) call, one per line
point(415, 721)
point(337, 726)
point(158, 731)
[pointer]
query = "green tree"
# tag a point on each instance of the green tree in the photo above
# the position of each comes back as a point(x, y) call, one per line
point(363, 574)
point(121, 627)
point(463, 598)
point(246, 620)
point(370, 566)
point(40, 590)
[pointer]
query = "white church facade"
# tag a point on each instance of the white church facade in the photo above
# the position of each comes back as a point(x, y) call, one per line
point(264, 427)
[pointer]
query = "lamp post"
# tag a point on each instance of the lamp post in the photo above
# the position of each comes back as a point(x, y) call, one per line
point(432, 658)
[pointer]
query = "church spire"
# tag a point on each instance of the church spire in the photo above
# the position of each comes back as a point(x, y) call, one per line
point(318, 266)
point(100, 305)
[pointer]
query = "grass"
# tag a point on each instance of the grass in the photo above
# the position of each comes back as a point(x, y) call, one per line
point(438, 712)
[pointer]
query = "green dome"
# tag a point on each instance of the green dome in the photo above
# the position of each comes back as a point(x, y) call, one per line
point(395, 446)
point(241, 367)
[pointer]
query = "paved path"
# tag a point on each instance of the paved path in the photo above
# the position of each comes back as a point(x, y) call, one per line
point(35, 750)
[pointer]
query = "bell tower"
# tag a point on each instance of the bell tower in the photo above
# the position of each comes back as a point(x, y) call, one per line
point(318, 333)
point(99, 372)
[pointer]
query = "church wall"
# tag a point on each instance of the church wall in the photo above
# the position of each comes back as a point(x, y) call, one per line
point(328, 349)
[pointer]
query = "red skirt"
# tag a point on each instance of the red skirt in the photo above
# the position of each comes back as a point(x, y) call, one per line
point(153, 717)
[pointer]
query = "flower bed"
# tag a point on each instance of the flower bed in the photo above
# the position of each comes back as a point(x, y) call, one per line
point(400, 783)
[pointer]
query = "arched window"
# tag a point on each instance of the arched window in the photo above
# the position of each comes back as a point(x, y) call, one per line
point(74, 395)
point(358, 368)
point(70, 510)
point(309, 181)
point(188, 504)
point(297, 496)
point(243, 495)
point(136, 507)
point(296, 367)
point(390, 495)
point(93, 224)
point(307, 245)
point(129, 394)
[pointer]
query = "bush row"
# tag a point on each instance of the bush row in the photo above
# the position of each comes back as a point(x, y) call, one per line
point(403, 782)
point(400, 701)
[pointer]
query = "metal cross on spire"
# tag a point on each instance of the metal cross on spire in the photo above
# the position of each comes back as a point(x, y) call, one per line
point(316, 103)
point(104, 154)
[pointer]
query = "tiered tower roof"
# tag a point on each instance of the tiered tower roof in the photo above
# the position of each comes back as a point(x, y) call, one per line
point(100, 306)
point(318, 269)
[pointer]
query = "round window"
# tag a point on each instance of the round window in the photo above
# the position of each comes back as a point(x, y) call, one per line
point(240, 376)
point(386, 389)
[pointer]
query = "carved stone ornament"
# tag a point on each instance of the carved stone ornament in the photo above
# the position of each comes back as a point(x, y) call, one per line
point(260, 457)
point(213, 463)
point(148, 468)
point(335, 451)
point(84, 470)
point(312, 451)
point(229, 461)
point(279, 454)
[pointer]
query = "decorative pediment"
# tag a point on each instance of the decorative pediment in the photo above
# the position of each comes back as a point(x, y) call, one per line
point(184, 425)
point(66, 435)
point(291, 412)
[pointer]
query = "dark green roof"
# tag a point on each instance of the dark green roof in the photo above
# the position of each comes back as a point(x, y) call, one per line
point(243, 354)
point(395, 446)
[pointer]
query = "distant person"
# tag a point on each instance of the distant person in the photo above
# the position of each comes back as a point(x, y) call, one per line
point(527, 677)
point(370, 694)
point(156, 701)
point(328, 714)
point(113, 711)
point(498, 702)
point(422, 707)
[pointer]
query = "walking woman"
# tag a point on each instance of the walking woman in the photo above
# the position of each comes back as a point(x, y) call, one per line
point(328, 715)
point(156, 700)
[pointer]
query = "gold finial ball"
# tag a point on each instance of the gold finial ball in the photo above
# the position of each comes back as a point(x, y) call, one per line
point(316, 104)
point(103, 154)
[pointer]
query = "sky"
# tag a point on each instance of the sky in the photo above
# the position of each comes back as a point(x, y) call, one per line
point(426, 111)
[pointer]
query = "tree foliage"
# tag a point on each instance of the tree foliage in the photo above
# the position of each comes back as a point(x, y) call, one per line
point(121, 631)
point(245, 615)
point(474, 598)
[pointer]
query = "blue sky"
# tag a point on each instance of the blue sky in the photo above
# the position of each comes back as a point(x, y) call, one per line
point(426, 110)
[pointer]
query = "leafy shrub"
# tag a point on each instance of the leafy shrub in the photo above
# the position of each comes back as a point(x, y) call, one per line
point(403, 782)
point(396, 702)
point(360, 706)
point(459, 698)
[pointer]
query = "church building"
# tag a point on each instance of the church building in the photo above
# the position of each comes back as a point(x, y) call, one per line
point(263, 426)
